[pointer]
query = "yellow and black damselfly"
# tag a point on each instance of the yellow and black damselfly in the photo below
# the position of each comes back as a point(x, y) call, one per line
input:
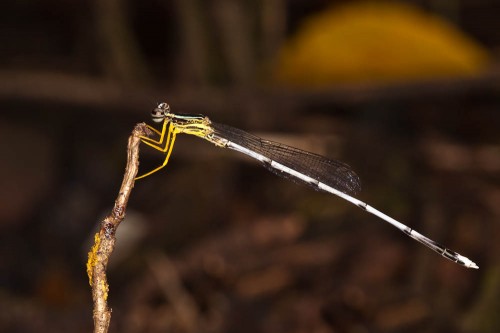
point(321, 173)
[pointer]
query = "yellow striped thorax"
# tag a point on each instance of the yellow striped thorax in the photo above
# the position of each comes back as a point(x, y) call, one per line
point(194, 124)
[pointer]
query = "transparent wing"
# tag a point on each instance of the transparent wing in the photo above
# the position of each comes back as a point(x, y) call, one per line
point(330, 172)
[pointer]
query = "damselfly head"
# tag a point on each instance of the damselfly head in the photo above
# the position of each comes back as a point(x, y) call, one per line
point(160, 112)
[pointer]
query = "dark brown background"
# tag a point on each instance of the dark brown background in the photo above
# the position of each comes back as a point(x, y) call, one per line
point(214, 243)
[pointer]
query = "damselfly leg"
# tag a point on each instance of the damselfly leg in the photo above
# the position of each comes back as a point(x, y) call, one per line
point(168, 131)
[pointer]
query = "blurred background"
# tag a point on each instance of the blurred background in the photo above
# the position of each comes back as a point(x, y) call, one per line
point(406, 92)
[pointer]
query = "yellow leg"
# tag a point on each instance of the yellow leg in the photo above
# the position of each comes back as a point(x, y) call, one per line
point(145, 139)
point(168, 149)
point(158, 145)
point(154, 129)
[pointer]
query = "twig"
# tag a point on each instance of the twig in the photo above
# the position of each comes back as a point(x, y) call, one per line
point(104, 239)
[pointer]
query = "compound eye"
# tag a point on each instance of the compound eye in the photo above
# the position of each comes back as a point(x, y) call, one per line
point(164, 106)
point(160, 112)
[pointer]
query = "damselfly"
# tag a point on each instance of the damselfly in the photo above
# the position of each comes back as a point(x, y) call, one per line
point(321, 173)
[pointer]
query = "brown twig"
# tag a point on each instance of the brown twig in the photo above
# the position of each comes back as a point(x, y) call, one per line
point(104, 239)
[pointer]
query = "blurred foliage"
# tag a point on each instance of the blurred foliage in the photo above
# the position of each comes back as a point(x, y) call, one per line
point(482, 316)
point(374, 41)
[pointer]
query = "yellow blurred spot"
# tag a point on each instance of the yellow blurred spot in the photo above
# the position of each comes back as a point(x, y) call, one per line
point(376, 42)
point(93, 257)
